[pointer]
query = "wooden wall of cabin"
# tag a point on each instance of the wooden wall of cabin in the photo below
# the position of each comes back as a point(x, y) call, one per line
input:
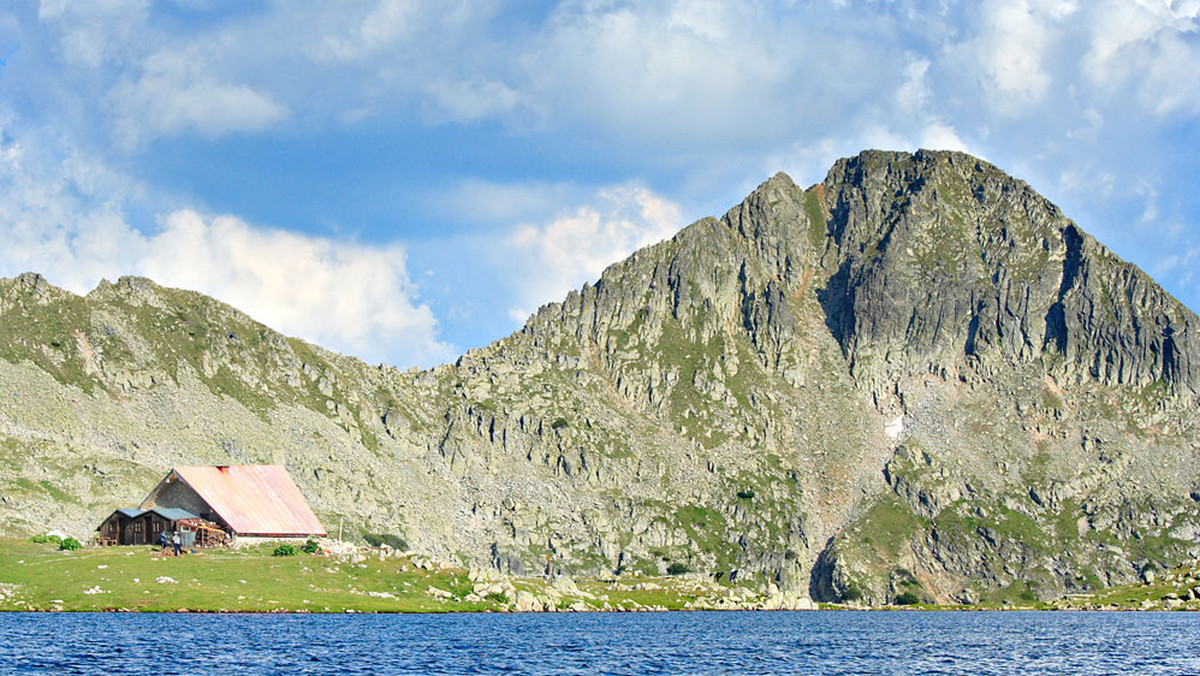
point(142, 530)
point(110, 530)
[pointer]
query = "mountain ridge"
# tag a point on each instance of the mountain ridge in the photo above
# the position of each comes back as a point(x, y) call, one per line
point(915, 376)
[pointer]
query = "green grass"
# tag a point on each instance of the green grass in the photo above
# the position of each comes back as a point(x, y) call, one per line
point(217, 580)
point(1051, 400)
point(1146, 596)
point(27, 487)
point(888, 526)
point(40, 577)
point(45, 335)
point(37, 576)
point(816, 218)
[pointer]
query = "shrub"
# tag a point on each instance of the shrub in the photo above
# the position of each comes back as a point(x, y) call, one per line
point(43, 539)
point(677, 568)
point(559, 423)
point(907, 599)
point(852, 593)
point(499, 598)
point(311, 546)
point(70, 545)
point(285, 550)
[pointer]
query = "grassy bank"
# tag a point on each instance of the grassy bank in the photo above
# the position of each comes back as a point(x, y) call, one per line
point(37, 576)
point(40, 577)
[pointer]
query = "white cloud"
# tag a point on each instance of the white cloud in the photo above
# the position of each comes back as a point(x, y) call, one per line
point(913, 94)
point(1149, 47)
point(353, 298)
point(387, 22)
point(938, 135)
point(550, 259)
point(666, 71)
point(1010, 56)
point(661, 70)
point(349, 297)
point(1118, 27)
point(96, 32)
point(173, 94)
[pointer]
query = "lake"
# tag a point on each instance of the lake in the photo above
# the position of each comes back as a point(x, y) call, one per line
point(824, 642)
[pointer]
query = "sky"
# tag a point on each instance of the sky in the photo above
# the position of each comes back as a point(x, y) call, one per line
point(403, 180)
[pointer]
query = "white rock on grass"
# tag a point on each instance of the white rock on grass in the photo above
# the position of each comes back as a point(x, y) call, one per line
point(440, 593)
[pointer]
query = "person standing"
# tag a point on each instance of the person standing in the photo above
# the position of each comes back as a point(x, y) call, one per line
point(162, 541)
point(176, 541)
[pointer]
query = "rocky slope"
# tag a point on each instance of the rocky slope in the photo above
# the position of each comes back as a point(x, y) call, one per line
point(915, 377)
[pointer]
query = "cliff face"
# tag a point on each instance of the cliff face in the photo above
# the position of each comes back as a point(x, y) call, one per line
point(942, 255)
point(917, 376)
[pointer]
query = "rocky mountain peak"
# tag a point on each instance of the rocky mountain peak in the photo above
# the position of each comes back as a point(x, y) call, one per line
point(942, 257)
point(915, 376)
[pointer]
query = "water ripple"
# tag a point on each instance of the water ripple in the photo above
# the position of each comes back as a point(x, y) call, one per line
point(677, 644)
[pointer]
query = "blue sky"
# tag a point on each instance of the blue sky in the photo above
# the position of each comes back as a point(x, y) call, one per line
point(403, 180)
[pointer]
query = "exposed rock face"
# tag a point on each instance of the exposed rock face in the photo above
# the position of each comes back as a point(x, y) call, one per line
point(915, 377)
point(941, 255)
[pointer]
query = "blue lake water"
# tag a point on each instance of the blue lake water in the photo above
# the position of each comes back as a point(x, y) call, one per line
point(637, 643)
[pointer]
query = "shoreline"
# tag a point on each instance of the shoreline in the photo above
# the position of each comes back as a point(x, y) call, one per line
point(39, 578)
point(842, 609)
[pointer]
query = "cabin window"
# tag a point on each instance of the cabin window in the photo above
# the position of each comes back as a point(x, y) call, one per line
point(137, 526)
point(111, 527)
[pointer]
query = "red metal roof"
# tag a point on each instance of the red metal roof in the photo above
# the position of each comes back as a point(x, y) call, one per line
point(254, 499)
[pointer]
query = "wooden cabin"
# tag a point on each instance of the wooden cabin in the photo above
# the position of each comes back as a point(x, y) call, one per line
point(136, 526)
point(256, 501)
point(216, 504)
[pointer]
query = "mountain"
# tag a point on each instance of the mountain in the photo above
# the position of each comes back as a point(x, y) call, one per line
point(917, 376)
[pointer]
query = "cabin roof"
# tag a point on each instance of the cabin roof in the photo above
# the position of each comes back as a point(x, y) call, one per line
point(253, 499)
point(170, 514)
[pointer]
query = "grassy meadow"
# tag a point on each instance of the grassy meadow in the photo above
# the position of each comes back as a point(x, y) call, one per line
point(40, 577)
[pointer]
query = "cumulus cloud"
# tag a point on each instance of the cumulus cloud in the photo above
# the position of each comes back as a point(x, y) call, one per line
point(353, 298)
point(350, 297)
point(550, 259)
point(1141, 40)
point(1010, 54)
